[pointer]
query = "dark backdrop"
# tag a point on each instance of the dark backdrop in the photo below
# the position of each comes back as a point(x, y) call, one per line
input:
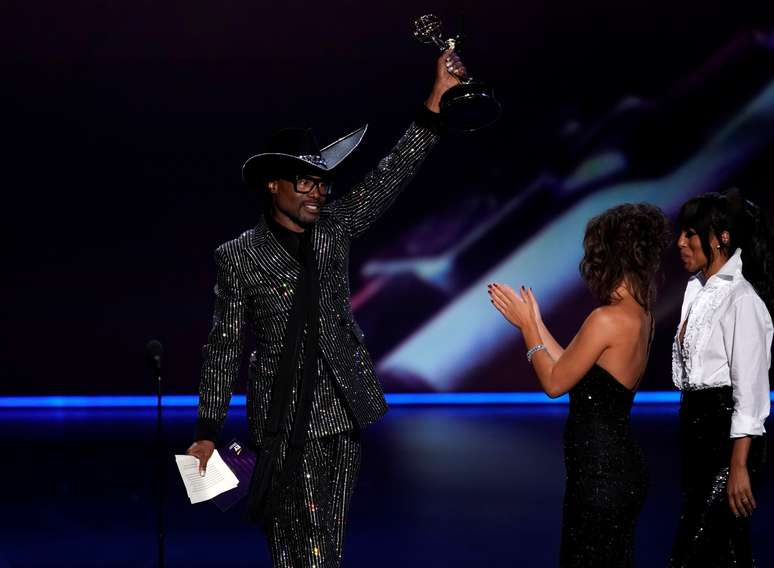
point(125, 125)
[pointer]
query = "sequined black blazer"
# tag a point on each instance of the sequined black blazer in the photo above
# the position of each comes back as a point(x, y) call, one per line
point(255, 283)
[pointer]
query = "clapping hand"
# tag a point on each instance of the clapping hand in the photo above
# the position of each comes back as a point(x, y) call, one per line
point(519, 309)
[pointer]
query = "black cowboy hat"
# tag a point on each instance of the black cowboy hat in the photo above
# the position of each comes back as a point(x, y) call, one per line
point(295, 150)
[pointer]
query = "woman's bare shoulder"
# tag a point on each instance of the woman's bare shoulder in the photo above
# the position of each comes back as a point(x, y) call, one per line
point(614, 318)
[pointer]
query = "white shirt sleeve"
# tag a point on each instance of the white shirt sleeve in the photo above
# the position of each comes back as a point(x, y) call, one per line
point(747, 334)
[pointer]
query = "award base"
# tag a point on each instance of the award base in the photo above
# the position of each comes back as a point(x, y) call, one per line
point(468, 107)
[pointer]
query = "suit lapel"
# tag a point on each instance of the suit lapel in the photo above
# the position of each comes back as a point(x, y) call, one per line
point(323, 243)
point(273, 259)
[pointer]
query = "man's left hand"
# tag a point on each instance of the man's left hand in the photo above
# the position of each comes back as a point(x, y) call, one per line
point(449, 70)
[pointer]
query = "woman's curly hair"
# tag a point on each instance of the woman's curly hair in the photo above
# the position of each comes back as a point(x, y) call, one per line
point(625, 242)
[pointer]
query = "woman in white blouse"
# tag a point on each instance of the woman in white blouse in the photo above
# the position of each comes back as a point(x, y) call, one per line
point(720, 361)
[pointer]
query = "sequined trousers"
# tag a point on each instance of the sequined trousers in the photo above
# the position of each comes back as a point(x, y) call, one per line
point(708, 534)
point(606, 475)
point(307, 530)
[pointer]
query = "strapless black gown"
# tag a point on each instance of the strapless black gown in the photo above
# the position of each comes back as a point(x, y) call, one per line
point(606, 475)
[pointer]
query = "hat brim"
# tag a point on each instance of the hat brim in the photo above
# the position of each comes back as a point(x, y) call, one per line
point(261, 167)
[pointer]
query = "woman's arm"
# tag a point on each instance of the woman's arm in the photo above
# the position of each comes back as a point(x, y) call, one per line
point(739, 488)
point(747, 333)
point(553, 347)
point(556, 376)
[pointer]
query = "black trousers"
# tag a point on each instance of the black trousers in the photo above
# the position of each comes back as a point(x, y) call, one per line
point(708, 534)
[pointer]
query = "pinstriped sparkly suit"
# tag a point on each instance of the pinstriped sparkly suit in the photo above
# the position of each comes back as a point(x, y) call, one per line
point(256, 277)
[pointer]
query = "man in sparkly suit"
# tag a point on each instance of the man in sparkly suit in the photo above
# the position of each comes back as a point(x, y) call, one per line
point(311, 381)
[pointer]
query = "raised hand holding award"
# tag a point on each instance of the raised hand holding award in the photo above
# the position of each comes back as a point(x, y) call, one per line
point(469, 106)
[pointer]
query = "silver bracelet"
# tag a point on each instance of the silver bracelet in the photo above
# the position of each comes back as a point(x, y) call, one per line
point(535, 349)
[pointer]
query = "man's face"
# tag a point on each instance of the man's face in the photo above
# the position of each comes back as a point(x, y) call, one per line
point(301, 208)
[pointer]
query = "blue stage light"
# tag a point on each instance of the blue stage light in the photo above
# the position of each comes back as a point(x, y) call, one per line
point(394, 399)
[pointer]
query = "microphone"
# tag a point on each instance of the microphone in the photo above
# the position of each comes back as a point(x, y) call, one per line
point(154, 351)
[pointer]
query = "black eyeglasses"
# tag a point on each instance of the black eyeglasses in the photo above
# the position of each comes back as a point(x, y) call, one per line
point(306, 185)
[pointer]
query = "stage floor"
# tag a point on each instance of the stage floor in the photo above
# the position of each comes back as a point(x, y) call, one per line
point(472, 486)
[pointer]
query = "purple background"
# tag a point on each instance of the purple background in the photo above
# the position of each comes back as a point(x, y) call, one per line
point(125, 125)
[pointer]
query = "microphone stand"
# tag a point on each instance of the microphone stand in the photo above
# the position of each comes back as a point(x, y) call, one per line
point(160, 472)
point(154, 351)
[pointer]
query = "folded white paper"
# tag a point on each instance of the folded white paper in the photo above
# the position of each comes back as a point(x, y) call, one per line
point(218, 478)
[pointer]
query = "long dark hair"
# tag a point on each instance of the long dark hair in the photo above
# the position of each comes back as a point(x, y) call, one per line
point(748, 229)
point(627, 241)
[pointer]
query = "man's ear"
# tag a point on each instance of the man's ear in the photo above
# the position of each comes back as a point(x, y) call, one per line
point(273, 186)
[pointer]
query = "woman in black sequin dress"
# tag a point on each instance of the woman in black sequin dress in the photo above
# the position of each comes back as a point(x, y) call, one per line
point(600, 368)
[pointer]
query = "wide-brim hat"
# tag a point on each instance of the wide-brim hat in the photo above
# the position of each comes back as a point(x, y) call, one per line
point(295, 150)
